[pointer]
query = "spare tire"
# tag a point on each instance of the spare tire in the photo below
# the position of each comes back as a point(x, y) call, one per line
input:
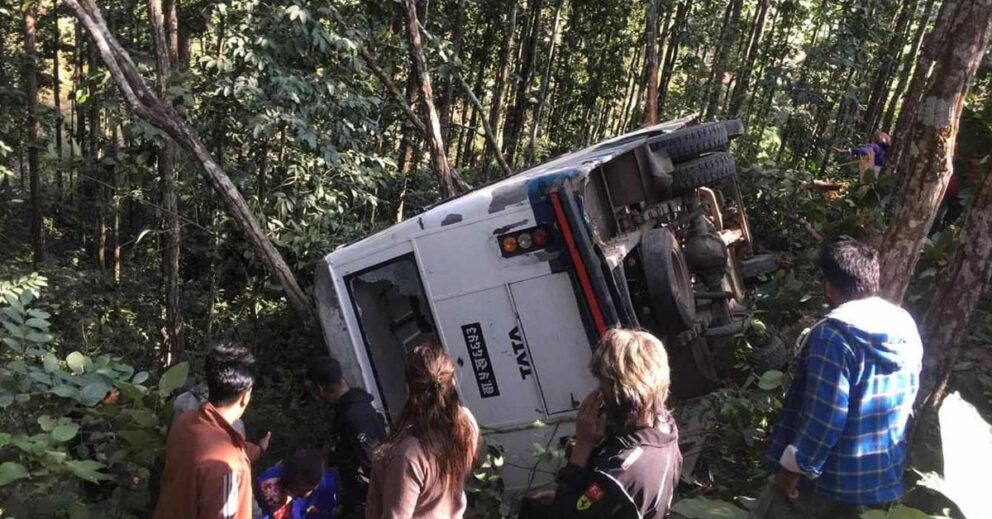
point(702, 172)
point(673, 304)
point(734, 128)
point(687, 143)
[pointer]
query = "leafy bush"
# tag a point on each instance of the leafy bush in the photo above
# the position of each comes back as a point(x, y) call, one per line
point(78, 433)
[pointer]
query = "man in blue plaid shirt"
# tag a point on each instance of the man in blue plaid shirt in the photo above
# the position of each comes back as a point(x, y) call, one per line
point(839, 445)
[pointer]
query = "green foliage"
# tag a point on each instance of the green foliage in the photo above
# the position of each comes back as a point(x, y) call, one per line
point(71, 420)
point(485, 487)
point(702, 508)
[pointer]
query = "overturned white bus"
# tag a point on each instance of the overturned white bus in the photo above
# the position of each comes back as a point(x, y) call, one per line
point(518, 279)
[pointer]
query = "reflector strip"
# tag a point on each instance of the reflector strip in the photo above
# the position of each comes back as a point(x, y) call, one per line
point(580, 268)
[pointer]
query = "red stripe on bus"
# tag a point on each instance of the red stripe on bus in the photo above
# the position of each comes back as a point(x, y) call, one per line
point(580, 268)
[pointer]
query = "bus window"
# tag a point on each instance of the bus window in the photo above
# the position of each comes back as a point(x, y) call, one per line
point(395, 317)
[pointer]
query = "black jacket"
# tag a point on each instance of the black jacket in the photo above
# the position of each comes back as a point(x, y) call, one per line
point(629, 475)
point(357, 429)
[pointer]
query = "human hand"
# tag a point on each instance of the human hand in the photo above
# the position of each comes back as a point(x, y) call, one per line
point(788, 482)
point(590, 424)
point(264, 442)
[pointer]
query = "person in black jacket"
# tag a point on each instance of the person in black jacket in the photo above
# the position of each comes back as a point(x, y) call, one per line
point(356, 430)
point(625, 462)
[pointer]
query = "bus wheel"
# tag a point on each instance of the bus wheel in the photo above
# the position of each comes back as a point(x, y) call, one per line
point(673, 303)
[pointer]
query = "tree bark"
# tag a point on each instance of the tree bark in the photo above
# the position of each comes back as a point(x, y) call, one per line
point(446, 180)
point(516, 120)
point(545, 85)
point(146, 105)
point(448, 99)
point(751, 56)
point(890, 55)
point(947, 321)
point(677, 32)
point(57, 99)
point(907, 68)
point(728, 35)
point(933, 134)
point(501, 78)
point(162, 16)
point(651, 63)
point(34, 135)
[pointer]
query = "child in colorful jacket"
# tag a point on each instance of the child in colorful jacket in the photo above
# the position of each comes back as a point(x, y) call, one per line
point(300, 488)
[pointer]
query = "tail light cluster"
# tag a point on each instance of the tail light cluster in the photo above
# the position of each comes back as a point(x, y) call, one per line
point(521, 242)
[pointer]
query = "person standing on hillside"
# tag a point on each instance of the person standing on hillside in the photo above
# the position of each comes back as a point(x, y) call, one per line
point(839, 444)
point(207, 460)
point(356, 431)
point(874, 152)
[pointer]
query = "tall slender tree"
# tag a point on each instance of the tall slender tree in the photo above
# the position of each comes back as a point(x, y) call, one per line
point(651, 63)
point(956, 47)
point(34, 132)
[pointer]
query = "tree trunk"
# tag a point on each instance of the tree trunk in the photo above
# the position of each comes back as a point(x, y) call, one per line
point(751, 56)
point(57, 99)
point(448, 99)
point(932, 45)
point(446, 181)
point(677, 32)
point(34, 136)
point(933, 134)
point(501, 78)
point(907, 68)
point(515, 121)
point(146, 105)
point(890, 55)
point(162, 16)
point(651, 63)
point(728, 35)
point(946, 323)
point(545, 84)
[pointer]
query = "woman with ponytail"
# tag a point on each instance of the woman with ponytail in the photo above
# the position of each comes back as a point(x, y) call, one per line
point(420, 471)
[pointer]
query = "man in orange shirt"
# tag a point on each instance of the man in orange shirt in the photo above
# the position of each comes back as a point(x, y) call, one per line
point(207, 461)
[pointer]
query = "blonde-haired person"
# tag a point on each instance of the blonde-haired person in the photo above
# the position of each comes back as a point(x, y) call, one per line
point(419, 471)
point(625, 461)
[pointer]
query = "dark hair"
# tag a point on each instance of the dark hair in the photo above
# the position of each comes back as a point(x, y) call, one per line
point(434, 415)
point(229, 373)
point(851, 267)
point(325, 372)
point(303, 470)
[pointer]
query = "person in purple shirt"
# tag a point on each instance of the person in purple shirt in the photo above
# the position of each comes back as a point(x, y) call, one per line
point(300, 488)
point(879, 148)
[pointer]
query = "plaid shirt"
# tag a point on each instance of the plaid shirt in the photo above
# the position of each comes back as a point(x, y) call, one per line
point(843, 422)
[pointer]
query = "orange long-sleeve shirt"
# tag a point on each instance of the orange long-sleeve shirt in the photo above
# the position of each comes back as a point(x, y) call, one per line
point(207, 469)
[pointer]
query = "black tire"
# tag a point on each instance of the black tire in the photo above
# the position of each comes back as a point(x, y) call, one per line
point(687, 143)
point(703, 172)
point(673, 304)
point(734, 128)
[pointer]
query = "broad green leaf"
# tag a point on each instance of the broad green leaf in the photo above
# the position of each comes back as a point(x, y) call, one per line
point(771, 379)
point(140, 377)
point(40, 338)
point(35, 322)
point(87, 469)
point(65, 391)
point(702, 508)
point(65, 432)
point(142, 417)
point(6, 400)
point(51, 362)
point(172, 379)
point(94, 392)
point(130, 391)
point(10, 472)
point(47, 423)
point(76, 362)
